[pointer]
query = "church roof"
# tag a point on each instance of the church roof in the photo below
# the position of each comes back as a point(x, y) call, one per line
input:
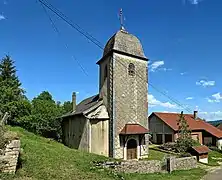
point(133, 129)
point(84, 105)
point(126, 43)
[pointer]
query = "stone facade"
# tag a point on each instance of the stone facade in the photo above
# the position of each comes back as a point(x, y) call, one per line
point(130, 98)
point(10, 157)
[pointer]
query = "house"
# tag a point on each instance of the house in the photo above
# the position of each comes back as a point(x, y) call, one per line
point(114, 122)
point(164, 128)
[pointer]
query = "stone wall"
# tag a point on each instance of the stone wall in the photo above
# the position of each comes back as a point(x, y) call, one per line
point(10, 157)
point(140, 167)
point(152, 166)
point(185, 163)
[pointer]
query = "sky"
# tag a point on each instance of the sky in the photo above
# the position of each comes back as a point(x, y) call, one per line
point(181, 38)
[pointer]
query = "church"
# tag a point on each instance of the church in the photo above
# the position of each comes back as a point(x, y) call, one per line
point(114, 122)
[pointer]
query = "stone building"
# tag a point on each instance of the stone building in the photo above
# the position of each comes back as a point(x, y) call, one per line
point(114, 122)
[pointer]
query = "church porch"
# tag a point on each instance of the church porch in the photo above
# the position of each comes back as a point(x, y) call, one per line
point(133, 140)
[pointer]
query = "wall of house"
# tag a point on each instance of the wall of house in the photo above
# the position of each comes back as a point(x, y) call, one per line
point(99, 137)
point(157, 126)
point(75, 132)
point(208, 139)
point(129, 97)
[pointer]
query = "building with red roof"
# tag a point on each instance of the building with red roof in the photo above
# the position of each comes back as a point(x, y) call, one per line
point(164, 128)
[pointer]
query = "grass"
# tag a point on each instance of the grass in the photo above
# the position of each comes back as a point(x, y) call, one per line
point(45, 159)
point(156, 155)
point(214, 157)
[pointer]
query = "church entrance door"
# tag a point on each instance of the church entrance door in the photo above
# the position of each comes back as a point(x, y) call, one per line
point(132, 149)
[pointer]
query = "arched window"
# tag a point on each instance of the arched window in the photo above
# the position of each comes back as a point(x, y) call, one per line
point(131, 69)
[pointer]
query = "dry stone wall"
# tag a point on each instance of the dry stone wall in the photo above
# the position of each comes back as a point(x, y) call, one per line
point(151, 166)
point(10, 156)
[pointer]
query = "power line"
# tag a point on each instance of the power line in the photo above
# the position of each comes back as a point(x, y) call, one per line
point(59, 34)
point(64, 18)
point(98, 44)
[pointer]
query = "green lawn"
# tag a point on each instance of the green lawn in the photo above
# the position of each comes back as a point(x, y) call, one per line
point(214, 157)
point(43, 159)
point(156, 155)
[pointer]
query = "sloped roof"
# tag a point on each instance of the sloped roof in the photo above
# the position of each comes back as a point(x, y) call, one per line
point(84, 105)
point(124, 42)
point(171, 119)
point(201, 149)
point(133, 129)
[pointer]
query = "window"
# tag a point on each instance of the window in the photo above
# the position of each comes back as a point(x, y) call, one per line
point(131, 69)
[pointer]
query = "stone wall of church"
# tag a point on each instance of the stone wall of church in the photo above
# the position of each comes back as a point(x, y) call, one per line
point(75, 132)
point(129, 96)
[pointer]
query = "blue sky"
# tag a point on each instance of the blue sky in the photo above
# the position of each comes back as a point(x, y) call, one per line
point(182, 39)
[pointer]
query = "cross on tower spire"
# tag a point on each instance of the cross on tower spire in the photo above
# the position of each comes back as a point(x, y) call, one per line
point(121, 18)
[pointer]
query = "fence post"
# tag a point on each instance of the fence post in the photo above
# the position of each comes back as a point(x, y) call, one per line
point(170, 164)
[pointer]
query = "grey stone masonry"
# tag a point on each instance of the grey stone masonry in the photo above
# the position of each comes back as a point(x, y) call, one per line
point(151, 166)
point(9, 159)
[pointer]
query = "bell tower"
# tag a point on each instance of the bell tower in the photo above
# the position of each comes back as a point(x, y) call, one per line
point(124, 90)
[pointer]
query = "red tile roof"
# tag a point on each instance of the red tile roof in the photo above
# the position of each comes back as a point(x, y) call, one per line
point(133, 129)
point(194, 124)
point(201, 149)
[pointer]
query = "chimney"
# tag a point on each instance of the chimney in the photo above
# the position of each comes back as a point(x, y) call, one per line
point(195, 114)
point(74, 101)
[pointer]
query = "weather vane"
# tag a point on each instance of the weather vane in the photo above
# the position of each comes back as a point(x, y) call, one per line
point(121, 18)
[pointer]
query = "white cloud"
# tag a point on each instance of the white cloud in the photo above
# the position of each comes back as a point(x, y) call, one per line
point(205, 83)
point(166, 69)
point(155, 65)
point(152, 102)
point(2, 17)
point(215, 98)
point(195, 2)
point(217, 115)
point(183, 73)
point(189, 98)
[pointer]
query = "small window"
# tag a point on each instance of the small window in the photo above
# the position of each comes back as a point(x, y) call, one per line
point(131, 69)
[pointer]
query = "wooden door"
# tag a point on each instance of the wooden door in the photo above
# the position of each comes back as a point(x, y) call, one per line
point(132, 149)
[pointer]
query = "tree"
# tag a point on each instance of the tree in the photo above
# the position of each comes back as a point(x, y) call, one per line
point(12, 98)
point(184, 141)
point(67, 106)
point(44, 115)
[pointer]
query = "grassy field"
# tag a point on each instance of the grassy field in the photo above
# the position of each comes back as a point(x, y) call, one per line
point(43, 159)
point(214, 157)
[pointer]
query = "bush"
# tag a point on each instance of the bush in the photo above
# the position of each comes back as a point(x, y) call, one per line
point(185, 154)
point(170, 146)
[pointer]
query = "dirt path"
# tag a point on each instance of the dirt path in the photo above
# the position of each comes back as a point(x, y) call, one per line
point(214, 174)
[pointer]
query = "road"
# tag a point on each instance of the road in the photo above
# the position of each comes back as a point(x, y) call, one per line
point(214, 175)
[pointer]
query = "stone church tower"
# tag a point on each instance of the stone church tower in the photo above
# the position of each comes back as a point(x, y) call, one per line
point(123, 88)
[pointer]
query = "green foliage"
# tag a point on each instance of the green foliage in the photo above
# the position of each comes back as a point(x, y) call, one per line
point(184, 141)
point(12, 97)
point(67, 106)
point(40, 115)
point(44, 115)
